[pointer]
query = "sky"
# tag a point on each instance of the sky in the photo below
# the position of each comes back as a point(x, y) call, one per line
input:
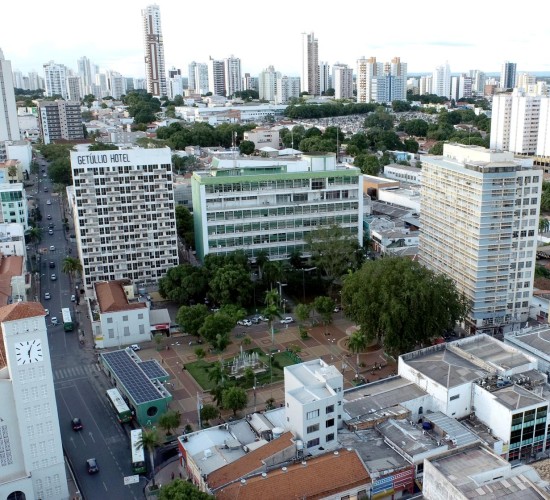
point(467, 35)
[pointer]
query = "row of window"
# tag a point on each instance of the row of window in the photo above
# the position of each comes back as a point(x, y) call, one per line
point(245, 186)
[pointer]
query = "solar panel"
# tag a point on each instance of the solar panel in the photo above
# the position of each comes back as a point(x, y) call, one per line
point(135, 381)
point(152, 369)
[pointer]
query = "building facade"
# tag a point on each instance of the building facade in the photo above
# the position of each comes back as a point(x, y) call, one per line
point(14, 209)
point(198, 77)
point(508, 75)
point(271, 204)
point(55, 79)
point(310, 64)
point(60, 120)
point(287, 87)
point(267, 84)
point(9, 127)
point(479, 223)
point(342, 81)
point(124, 217)
point(155, 70)
point(441, 81)
point(381, 82)
point(32, 463)
point(233, 77)
point(216, 77)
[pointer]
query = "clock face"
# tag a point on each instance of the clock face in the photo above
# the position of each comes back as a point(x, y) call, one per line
point(29, 351)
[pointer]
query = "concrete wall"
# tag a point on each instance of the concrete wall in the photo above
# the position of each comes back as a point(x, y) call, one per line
point(494, 415)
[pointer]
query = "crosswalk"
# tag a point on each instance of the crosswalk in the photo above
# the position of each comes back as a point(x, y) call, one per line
point(75, 372)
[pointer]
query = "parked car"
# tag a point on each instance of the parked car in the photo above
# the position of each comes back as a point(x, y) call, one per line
point(49, 217)
point(92, 466)
point(244, 322)
point(135, 347)
point(45, 189)
point(73, 298)
point(263, 318)
point(255, 320)
point(47, 311)
point(337, 309)
point(47, 295)
point(50, 231)
point(54, 321)
point(287, 320)
point(76, 424)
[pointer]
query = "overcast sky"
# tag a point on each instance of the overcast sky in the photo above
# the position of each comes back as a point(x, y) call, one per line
point(469, 35)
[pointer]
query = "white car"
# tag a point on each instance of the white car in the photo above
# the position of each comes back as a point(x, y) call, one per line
point(53, 277)
point(47, 295)
point(135, 347)
point(49, 202)
point(54, 320)
point(73, 298)
point(47, 311)
point(52, 248)
point(287, 320)
point(244, 322)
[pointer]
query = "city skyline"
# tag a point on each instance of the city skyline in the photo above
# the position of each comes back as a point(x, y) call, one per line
point(420, 38)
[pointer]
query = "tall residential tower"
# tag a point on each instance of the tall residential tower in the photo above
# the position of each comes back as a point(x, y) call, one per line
point(154, 51)
point(310, 64)
point(9, 127)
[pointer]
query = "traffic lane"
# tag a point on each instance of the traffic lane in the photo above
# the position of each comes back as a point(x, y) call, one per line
point(102, 438)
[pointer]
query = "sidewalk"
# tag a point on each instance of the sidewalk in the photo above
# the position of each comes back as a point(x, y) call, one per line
point(169, 471)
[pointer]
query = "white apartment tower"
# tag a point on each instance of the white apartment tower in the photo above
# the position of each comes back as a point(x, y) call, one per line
point(479, 223)
point(367, 70)
point(198, 77)
point(287, 87)
point(60, 120)
point(313, 397)
point(508, 75)
point(381, 82)
point(124, 218)
point(478, 81)
point(87, 75)
point(267, 84)
point(9, 126)
point(73, 88)
point(310, 64)
point(233, 77)
point(342, 81)
point(216, 77)
point(325, 78)
point(55, 79)
point(425, 84)
point(31, 453)
point(441, 82)
point(515, 122)
point(155, 71)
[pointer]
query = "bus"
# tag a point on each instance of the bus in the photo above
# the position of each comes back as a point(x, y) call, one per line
point(138, 455)
point(67, 320)
point(123, 413)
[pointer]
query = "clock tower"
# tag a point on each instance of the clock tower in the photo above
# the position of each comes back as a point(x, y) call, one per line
point(31, 454)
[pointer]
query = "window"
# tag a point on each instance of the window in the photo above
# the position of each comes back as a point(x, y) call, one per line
point(330, 408)
point(312, 428)
point(456, 396)
point(330, 422)
point(313, 442)
point(124, 318)
point(312, 414)
point(109, 320)
point(330, 437)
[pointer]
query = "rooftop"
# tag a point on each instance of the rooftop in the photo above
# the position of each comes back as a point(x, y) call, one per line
point(515, 397)
point(321, 477)
point(112, 298)
point(21, 310)
point(448, 426)
point(535, 340)
point(10, 266)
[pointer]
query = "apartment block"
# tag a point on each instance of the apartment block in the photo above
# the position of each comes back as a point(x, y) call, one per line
point(9, 127)
point(155, 70)
point(310, 64)
point(60, 120)
point(124, 214)
point(479, 223)
point(271, 204)
point(216, 77)
point(55, 79)
point(381, 82)
point(342, 78)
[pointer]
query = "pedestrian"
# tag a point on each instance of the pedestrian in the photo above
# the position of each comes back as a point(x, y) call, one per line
point(181, 477)
point(172, 476)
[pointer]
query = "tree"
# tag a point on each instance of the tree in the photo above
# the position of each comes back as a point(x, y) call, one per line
point(184, 283)
point(149, 441)
point(200, 352)
point(262, 256)
point(71, 266)
point(184, 225)
point(544, 225)
point(401, 304)
point(231, 284)
point(35, 234)
point(380, 119)
point(325, 308)
point(234, 398)
point(357, 342)
point(102, 146)
point(169, 421)
point(181, 490)
point(191, 318)
point(271, 310)
point(302, 312)
point(60, 171)
point(247, 147)
point(436, 149)
point(209, 412)
point(216, 328)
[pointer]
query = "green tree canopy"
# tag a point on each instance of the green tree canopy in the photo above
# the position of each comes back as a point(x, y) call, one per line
point(215, 329)
point(191, 318)
point(231, 284)
point(102, 146)
point(181, 490)
point(209, 412)
point(184, 283)
point(234, 398)
point(380, 119)
point(247, 147)
point(184, 225)
point(169, 421)
point(400, 303)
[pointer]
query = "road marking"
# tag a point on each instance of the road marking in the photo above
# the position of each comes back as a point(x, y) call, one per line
point(105, 486)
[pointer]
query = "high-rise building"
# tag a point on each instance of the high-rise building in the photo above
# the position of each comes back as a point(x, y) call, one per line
point(515, 122)
point(124, 214)
point(479, 221)
point(216, 77)
point(525, 81)
point(381, 82)
point(287, 88)
point(116, 84)
point(342, 81)
point(508, 75)
point(87, 75)
point(18, 81)
point(441, 82)
point(32, 463)
point(155, 71)
point(425, 85)
point(198, 77)
point(60, 120)
point(175, 86)
point(268, 83)
point(173, 72)
point(461, 86)
point(310, 64)
point(55, 78)
point(325, 77)
point(232, 75)
point(36, 81)
point(9, 126)
point(478, 82)
point(250, 82)
point(74, 86)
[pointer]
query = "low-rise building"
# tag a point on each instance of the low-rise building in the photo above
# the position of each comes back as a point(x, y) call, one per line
point(13, 203)
point(263, 137)
point(403, 173)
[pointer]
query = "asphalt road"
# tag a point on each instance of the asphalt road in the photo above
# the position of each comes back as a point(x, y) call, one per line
point(80, 386)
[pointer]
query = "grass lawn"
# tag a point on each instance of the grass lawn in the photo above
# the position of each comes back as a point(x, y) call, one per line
point(199, 370)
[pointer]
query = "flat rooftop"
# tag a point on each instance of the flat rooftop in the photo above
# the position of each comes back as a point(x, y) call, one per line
point(451, 427)
point(468, 470)
point(493, 352)
point(535, 340)
point(443, 366)
point(411, 439)
point(515, 397)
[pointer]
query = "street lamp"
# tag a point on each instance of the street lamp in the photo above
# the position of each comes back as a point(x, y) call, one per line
point(304, 280)
point(281, 285)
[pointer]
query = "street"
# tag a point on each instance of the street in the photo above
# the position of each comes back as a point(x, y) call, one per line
point(80, 386)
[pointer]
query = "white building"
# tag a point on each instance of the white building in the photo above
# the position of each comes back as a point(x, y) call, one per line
point(267, 84)
point(216, 77)
point(487, 248)
point(12, 239)
point(125, 218)
point(9, 127)
point(310, 64)
point(232, 76)
point(13, 204)
point(232, 114)
point(342, 81)
point(461, 86)
point(55, 79)
point(325, 77)
point(381, 82)
point(155, 70)
point(123, 318)
point(313, 398)
point(263, 137)
point(87, 76)
point(250, 82)
point(272, 204)
point(32, 464)
point(478, 81)
point(403, 173)
point(425, 85)
point(441, 81)
point(287, 87)
point(198, 77)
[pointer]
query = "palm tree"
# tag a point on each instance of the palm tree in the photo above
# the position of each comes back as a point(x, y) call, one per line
point(71, 266)
point(357, 343)
point(216, 373)
point(271, 310)
point(261, 258)
point(150, 440)
point(35, 234)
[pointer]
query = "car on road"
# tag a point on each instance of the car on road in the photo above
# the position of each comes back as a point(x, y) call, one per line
point(76, 423)
point(73, 298)
point(54, 321)
point(52, 264)
point(287, 320)
point(53, 277)
point(49, 217)
point(50, 231)
point(244, 322)
point(92, 466)
point(52, 248)
point(47, 295)
point(135, 347)
point(47, 311)
point(46, 189)
point(49, 202)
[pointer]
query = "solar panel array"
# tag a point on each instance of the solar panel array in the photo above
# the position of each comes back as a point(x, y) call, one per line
point(135, 381)
point(152, 369)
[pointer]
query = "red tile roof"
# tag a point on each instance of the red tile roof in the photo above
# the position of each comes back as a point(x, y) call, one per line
point(322, 476)
point(250, 462)
point(10, 266)
point(111, 297)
